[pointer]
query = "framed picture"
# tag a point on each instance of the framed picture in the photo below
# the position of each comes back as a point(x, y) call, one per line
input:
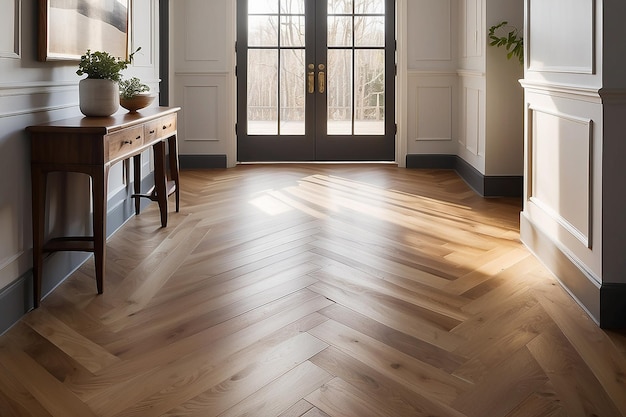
point(10, 33)
point(67, 28)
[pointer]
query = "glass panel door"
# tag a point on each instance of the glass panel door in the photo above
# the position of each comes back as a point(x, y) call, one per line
point(315, 80)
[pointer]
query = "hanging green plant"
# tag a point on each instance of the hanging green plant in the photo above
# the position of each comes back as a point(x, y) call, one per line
point(512, 41)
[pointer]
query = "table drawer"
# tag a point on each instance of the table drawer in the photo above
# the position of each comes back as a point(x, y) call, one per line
point(167, 126)
point(151, 131)
point(124, 142)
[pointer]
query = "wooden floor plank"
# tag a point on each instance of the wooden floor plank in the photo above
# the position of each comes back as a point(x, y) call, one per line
point(419, 376)
point(390, 316)
point(231, 382)
point(397, 398)
point(298, 409)
point(89, 354)
point(339, 399)
point(278, 396)
point(47, 391)
point(315, 290)
point(496, 395)
point(16, 400)
point(400, 341)
point(562, 365)
point(589, 341)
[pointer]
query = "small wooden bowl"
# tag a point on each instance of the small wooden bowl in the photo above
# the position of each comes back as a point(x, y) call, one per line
point(137, 102)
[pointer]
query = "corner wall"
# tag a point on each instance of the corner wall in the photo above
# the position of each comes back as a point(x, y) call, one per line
point(573, 217)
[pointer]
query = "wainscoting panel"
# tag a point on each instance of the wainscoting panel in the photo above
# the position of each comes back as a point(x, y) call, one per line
point(201, 106)
point(560, 169)
point(562, 38)
point(434, 110)
point(203, 35)
point(206, 126)
point(145, 17)
point(471, 137)
point(472, 23)
point(430, 32)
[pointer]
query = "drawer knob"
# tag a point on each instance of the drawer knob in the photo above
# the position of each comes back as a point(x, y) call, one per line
point(152, 131)
point(165, 127)
point(128, 142)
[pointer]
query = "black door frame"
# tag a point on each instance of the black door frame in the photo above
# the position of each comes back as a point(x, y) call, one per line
point(307, 147)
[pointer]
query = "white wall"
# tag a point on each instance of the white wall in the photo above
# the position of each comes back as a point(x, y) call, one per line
point(442, 106)
point(491, 100)
point(432, 59)
point(203, 79)
point(33, 92)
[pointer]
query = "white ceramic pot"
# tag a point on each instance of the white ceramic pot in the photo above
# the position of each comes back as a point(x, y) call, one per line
point(98, 98)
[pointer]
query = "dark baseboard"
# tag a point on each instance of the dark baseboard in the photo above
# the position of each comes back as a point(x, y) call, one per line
point(571, 275)
point(431, 161)
point(613, 306)
point(15, 301)
point(486, 186)
point(605, 303)
point(504, 186)
point(472, 176)
point(202, 161)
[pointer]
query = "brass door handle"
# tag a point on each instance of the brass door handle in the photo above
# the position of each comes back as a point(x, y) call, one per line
point(321, 79)
point(311, 79)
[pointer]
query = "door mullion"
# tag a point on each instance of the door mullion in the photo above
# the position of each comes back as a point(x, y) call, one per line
point(321, 110)
point(311, 59)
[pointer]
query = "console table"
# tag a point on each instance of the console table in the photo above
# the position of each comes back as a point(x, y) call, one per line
point(90, 145)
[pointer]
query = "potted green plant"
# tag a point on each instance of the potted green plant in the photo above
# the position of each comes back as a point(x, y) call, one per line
point(99, 92)
point(134, 94)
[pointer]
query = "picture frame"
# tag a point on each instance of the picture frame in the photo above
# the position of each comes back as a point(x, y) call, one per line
point(68, 28)
point(10, 30)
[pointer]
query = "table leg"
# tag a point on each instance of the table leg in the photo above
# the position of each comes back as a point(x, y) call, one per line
point(39, 184)
point(160, 179)
point(173, 149)
point(137, 181)
point(100, 176)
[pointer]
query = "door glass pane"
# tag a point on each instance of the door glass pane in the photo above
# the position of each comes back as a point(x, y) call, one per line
point(339, 31)
point(340, 6)
point(262, 6)
point(339, 87)
point(369, 94)
point(262, 31)
point(291, 6)
point(369, 7)
point(369, 31)
point(262, 92)
point(292, 92)
point(292, 31)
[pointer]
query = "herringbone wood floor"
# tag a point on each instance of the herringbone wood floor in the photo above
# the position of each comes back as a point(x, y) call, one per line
point(315, 290)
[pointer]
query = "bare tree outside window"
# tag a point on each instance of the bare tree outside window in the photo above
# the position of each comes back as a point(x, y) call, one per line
point(277, 68)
